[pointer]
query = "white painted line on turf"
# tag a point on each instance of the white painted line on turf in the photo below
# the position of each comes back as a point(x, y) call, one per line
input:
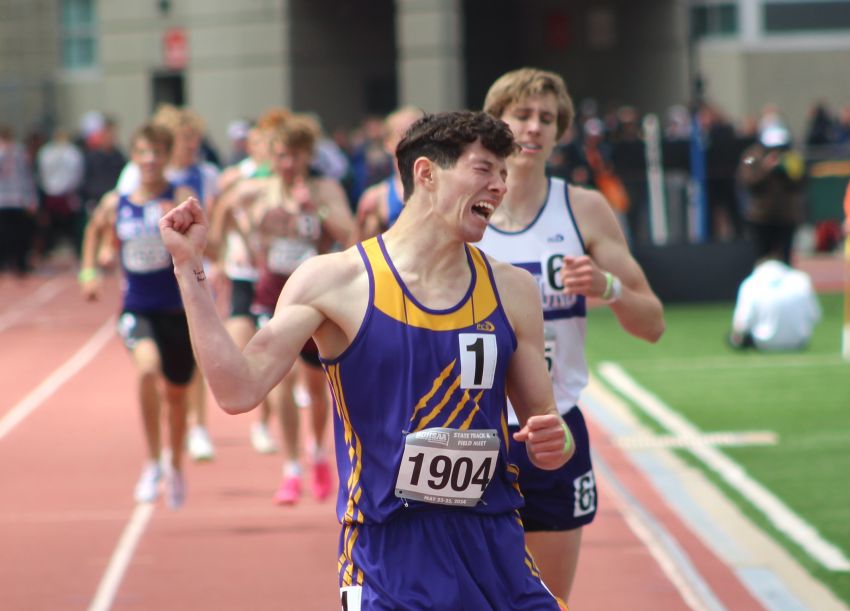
point(669, 555)
point(45, 293)
point(54, 381)
point(732, 363)
point(765, 569)
point(724, 438)
point(779, 514)
point(121, 557)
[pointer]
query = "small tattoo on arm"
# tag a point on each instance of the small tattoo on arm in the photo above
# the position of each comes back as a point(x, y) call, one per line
point(200, 276)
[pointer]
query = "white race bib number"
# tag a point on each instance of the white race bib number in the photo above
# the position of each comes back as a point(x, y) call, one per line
point(145, 254)
point(447, 466)
point(285, 255)
point(549, 355)
point(350, 598)
point(550, 273)
point(478, 356)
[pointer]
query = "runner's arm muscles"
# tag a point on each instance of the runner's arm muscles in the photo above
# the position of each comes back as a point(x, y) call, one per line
point(638, 310)
point(239, 381)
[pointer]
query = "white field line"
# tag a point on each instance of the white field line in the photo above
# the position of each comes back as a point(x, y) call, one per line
point(728, 439)
point(121, 557)
point(45, 293)
point(779, 514)
point(734, 364)
point(54, 381)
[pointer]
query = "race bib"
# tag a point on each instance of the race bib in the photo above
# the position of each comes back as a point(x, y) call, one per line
point(550, 273)
point(145, 254)
point(286, 254)
point(351, 598)
point(549, 354)
point(447, 466)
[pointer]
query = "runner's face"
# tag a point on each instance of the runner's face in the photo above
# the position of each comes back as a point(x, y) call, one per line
point(468, 193)
point(150, 158)
point(187, 144)
point(291, 163)
point(534, 123)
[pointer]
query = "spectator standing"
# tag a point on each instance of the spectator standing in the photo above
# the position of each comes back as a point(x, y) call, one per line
point(103, 161)
point(60, 167)
point(772, 175)
point(18, 204)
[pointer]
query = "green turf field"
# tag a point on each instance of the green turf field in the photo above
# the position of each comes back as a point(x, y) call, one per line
point(803, 397)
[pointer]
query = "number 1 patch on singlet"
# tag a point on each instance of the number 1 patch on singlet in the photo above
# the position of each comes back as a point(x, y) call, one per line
point(447, 466)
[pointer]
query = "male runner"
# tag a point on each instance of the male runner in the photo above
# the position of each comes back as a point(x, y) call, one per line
point(419, 351)
point(152, 323)
point(569, 238)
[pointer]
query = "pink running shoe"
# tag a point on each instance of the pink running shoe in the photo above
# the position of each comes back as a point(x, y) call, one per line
point(321, 482)
point(289, 491)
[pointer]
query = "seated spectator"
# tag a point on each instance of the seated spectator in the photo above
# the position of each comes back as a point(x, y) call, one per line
point(777, 308)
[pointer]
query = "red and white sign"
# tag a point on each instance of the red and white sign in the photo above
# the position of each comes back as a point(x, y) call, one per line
point(175, 48)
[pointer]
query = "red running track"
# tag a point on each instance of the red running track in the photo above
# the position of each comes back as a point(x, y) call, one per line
point(71, 448)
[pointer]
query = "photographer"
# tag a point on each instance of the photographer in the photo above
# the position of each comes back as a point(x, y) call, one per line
point(772, 174)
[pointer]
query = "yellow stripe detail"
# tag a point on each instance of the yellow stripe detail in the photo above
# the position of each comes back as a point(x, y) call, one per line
point(434, 388)
point(439, 407)
point(466, 423)
point(390, 298)
point(529, 560)
point(463, 400)
point(348, 578)
point(506, 439)
point(353, 484)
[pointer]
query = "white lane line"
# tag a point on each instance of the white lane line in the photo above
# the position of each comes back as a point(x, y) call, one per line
point(772, 361)
point(671, 558)
point(45, 293)
point(720, 438)
point(55, 380)
point(121, 557)
point(779, 514)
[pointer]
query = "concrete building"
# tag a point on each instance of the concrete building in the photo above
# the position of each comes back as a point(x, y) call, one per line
point(344, 60)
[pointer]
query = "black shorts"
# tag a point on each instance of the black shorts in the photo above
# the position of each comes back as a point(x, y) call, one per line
point(563, 499)
point(170, 333)
point(241, 296)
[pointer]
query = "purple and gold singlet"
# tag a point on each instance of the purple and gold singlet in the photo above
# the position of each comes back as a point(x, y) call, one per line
point(421, 436)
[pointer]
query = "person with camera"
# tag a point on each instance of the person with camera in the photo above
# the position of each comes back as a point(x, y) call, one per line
point(772, 174)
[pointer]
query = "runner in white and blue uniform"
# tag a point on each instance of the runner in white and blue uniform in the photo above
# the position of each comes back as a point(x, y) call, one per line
point(569, 239)
point(152, 321)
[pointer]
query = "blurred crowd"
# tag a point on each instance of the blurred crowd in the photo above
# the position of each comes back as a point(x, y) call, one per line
point(49, 184)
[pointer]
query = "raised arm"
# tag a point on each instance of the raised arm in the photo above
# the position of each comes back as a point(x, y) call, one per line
point(529, 387)
point(337, 219)
point(239, 380)
point(637, 308)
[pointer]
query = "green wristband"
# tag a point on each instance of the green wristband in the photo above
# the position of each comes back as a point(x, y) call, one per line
point(87, 274)
point(609, 284)
point(568, 437)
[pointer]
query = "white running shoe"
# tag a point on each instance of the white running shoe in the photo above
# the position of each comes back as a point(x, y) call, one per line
point(147, 488)
point(175, 489)
point(261, 439)
point(200, 445)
